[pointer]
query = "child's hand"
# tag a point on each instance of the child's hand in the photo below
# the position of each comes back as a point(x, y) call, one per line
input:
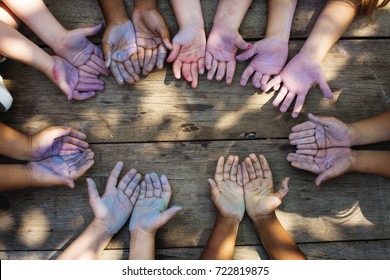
point(298, 76)
point(321, 133)
point(269, 57)
point(120, 51)
point(75, 83)
point(150, 209)
point(328, 163)
point(226, 189)
point(187, 55)
point(60, 170)
point(56, 141)
point(153, 38)
point(222, 46)
point(260, 196)
point(113, 209)
point(81, 53)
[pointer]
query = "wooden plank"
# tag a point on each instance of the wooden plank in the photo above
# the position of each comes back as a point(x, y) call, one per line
point(355, 250)
point(160, 108)
point(352, 207)
point(73, 14)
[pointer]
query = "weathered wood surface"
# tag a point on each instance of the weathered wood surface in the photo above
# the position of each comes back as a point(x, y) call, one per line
point(160, 108)
point(353, 207)
point(74, 14)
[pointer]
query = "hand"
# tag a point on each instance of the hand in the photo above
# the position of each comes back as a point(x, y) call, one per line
point(81, 53)
point(113, 209)
point(187, 55)
point(321, 133)
point(60, 170)
point(150, 209)
point(269, 57)
point(260, 196)
point(328, 163)
point(298, 76)
point(120, 51)
point(226, 189)
point(153, 38)
point(56, 141)
point(76, 84)
point(222, 46)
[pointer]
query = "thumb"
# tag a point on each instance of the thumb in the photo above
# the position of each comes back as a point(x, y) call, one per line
point(326, 175)
point(107, 51)
point(241, 44)
point(67, 182)
point(246, 54)
point(213, 187)
point(324, 120)
point(325, 87)
point(168, 214)
point(166, 38)
point(284, 189)
point(89, 31)
point(174, 52)
point(92, 191)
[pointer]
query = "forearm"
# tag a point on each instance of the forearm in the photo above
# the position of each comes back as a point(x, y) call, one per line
point(222, 240)
point(37, 16)
point(142, 245)
point(14, 176)
point(114, 10)
point(373, 162)
point(230, 13)
point(89, 244)
point(280, 16)
point(145, 4)
point(276, 241)
point(372, 130)
point(13, 144)
point(333, 21)
point(188, 13)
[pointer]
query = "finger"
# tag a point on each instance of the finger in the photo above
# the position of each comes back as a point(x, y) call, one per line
point(73, 144)
point(239, 174)
point(218, 176)
point(283, 191)
point(213, 69)
point(135, 62)
point(133, 186)
point(107, 51)
point(149, 186)
point(194, 73)
point(308, 125)
point(230, 69)
point(241, 44)
point(68, 152)
point(141, 56)
point(250, 169)
point(161, 55)
point(256, 80)
point(308, 140)
point(97, 63)
point(305, 165)
point(246, 54)
point(148, 57)
point(326, 175)
point(301, 135)
point(279, 98)
point(174, 53)
point(126, 77)
point(113, 178)
point(89, 69)
point(325, 87)
point(208, 60)
point(264, 81)
point(81, 87)
point(201, 66)
point(87, 75)
point(246, 75)
point(129, 69)
point(176, 68)
point(298, 105)
point(142, 193)
point(214, 190)
point(256, 166)
point(265, 166)
point(116, 73)
point(221, 70)
point(312, 152)
point(167, 215)
point(227, 167)
point(89, 31)
point(166, 189)
point(275, 81)
point(126, 179)
point(324, 120)
point(156, 184)
point(135, 195)
point(148, 67)
point(93, 193)
point(245, 175)
point(97, 58)
point(312, 146)
point(287, 101)
point(79, 170)
point(76, 95)
point(186, 71)
point(166, 38)
point(234, 169)
point(88, 80)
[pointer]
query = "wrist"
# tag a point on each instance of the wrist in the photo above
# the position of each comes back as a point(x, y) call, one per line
point(311, 54)
point(145, 4)
point(101, 229)
point(354, 160)
point(354, 135)
point(261, 218)
point(229, 222)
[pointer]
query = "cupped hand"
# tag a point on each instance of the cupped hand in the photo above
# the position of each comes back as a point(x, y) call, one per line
point(222, 46)
point(150, 211)
point(226, 189)
point(114, 207)
point(153, 39)
point(328, 163)
point(187, 55)
point(120, 51)
point(56, 141)
point(321, 132)
point(268, 59)
point(60, 170)
point(82, 53)
point(75, 83)
point(259, 193)
point(298, 76)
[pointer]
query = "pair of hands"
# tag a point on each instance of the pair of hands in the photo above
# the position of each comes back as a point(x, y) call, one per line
point(323, 147)
point(129, 46)
point(77, 65)
point(146, 201)
point(58, 156)
point(247, 186)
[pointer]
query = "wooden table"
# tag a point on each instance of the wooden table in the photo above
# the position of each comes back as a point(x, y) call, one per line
point(160, 124)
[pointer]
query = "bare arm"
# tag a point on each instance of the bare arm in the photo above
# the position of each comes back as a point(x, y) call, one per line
point(188, 13)
point(113, 10)
point(373, 162)
point(230, 13)
point(280, 16)
point(13, 144)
